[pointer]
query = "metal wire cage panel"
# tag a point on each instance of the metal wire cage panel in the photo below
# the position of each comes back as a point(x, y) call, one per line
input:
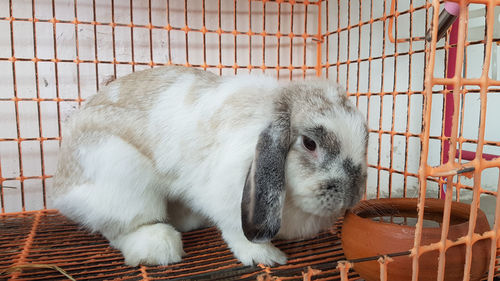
point(430, 107)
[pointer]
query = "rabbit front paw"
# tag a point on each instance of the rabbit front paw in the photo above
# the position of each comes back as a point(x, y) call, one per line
point(256, 253)
point(156, 244)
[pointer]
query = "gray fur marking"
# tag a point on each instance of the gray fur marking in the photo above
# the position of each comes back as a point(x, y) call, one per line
point(263, 194)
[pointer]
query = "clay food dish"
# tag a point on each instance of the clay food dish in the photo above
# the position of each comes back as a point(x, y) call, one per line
point(368, 231)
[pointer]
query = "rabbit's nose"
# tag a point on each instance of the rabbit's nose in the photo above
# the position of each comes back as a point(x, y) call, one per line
point(333, 187)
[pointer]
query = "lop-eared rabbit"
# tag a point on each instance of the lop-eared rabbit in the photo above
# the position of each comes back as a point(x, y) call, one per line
point(171, 149)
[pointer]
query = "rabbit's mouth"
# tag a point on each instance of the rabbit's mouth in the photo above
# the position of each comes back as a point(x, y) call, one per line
point(323, 205)
point(327, 199)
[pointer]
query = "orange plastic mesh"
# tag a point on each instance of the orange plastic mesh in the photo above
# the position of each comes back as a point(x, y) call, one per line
point(46, 237)
point(451, 167)
point(289, 39)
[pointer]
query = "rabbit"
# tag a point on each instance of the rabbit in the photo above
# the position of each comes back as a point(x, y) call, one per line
point(171, 149)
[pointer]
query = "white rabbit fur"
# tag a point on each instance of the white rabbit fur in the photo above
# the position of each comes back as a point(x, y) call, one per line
point(169, 149)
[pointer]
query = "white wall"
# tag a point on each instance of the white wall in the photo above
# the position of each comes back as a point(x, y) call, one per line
point(82, 79)
point(394, 73)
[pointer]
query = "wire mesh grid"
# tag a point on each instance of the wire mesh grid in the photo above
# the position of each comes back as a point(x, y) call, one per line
point(54, 54)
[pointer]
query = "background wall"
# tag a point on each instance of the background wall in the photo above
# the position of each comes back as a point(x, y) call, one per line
point(391, 82)
point(74, 60)
point(106, 44)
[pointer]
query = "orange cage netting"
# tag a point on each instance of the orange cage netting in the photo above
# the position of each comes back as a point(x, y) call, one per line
point(430, 108)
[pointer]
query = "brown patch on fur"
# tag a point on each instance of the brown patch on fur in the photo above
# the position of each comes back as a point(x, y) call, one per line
point(235, 110)
point(119, 109)
point(207, 79)
point(191, 98)
point(132, 121)
point(301, 96)
point(100, 122)
point(108, 80)
point(132, 88)
point(67, 168)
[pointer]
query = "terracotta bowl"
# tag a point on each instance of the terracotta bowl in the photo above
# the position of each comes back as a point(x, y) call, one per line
point(367, 231)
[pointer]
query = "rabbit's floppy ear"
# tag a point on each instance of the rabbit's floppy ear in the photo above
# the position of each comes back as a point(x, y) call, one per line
point(264, 192)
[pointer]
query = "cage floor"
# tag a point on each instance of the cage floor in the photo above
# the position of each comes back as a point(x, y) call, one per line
point(46, 237)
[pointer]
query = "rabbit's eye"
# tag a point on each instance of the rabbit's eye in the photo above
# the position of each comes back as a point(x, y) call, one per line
point(308, 143)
